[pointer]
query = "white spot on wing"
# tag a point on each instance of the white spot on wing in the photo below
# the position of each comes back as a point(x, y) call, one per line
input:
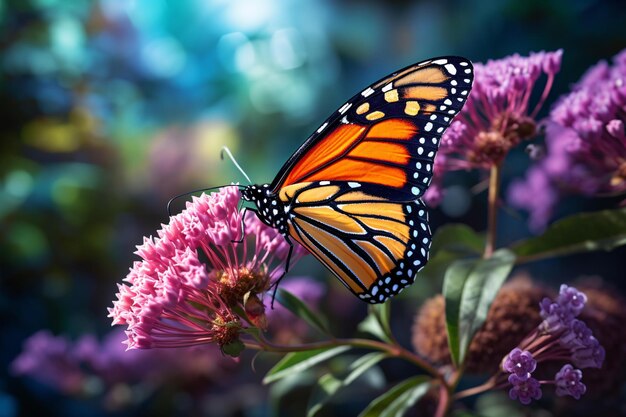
point(368, 92)
point(440, 62)
point(322, 127)
point(352, 184)
point(345, 108)
point(388, 87)
point(324, 182)
point(451, 69)
point(428, 126)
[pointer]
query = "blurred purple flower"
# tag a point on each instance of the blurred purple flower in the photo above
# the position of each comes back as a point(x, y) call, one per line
point(284, 325)
point(88, 367)
point(568, 382)
point(520, 362)
point(498, 114)
point(50, 359)
point(590, 355)
point(577, 335)
point(586, 144)
point(176, 300)
point(524, 389)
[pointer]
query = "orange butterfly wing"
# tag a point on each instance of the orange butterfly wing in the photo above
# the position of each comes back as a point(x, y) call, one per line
point(389, 133)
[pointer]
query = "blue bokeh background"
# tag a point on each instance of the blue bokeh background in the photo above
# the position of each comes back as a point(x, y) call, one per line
point(111, 107)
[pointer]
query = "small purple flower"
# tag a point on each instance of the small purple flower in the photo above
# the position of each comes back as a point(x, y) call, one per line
point(576, 336)
point(520, 363)
point(568, 382)
point(524, 390)
point(571, 298)
point(591, 355)
point(557, 317)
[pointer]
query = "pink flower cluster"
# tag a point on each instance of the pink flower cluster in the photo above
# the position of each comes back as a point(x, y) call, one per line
point(173, 298)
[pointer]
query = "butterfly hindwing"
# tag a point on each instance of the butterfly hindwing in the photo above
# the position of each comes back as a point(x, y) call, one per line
point(374, 245)
point(389, 133)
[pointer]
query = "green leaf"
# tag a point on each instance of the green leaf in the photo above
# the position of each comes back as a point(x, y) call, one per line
point(469, 289)
point(458, 238)
point(396, 401)
point(328, 385)
point(450, 243)
point(382, 312)
point(372, 325)
point(299, 361)
point(453, 283)
point(601, 230)
point(297, 307)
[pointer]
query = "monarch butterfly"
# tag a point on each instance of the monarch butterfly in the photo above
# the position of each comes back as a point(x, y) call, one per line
point(351, 194)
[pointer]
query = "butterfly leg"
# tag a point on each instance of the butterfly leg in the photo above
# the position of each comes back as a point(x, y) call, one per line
point(275, 284)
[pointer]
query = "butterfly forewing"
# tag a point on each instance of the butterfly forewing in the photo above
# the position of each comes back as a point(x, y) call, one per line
point(389, 133)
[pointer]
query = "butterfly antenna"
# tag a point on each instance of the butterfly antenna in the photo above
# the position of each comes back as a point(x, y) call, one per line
point(234, 161)
point(169, 203)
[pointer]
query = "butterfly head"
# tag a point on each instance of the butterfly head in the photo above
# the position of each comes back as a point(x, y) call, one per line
point(269, 208)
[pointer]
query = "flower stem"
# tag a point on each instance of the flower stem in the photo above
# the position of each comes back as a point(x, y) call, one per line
point(490, 384)
point(396, 351)
point(492, 216)
point(444, 401)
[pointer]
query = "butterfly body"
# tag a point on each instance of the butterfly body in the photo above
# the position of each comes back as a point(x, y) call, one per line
point(351, 194)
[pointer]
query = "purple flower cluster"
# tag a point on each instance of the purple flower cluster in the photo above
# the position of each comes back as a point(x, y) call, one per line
point(573, 335)
point(498, 115)
point(560, 337)
point(585, 144)
point(174, 299)
point(521, 364)
point(89, 368)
